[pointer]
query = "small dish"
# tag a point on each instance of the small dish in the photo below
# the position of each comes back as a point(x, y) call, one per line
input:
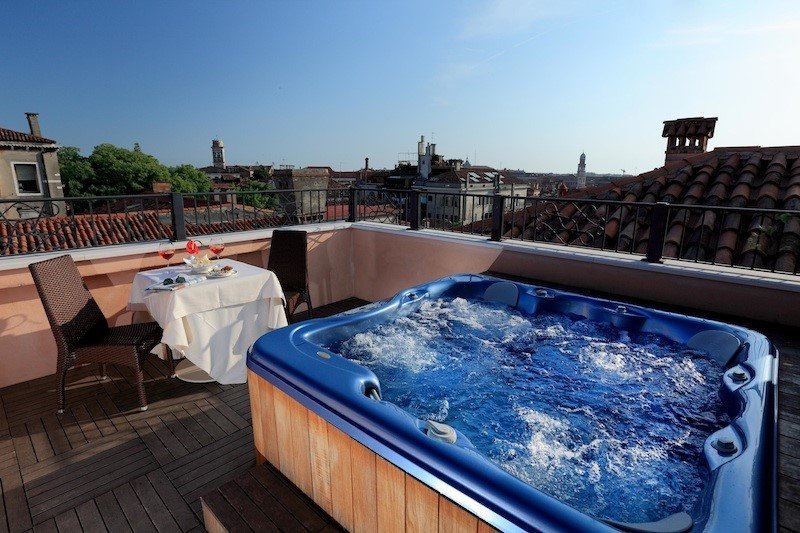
point(221, 273)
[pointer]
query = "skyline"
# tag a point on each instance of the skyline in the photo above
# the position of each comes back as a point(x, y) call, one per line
point(524, 84)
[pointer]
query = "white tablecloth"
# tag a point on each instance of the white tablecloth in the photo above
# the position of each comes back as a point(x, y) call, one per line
point(214, 322)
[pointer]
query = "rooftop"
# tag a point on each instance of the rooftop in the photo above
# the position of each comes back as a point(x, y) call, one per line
point(104, 462)
point(11, 136)
point(727, 180)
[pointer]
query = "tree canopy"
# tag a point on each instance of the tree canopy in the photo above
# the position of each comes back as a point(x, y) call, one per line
point(186, 178)
point(254, 195)
point(112, 170)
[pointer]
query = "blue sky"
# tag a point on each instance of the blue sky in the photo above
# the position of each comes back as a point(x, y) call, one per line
point(520, 84)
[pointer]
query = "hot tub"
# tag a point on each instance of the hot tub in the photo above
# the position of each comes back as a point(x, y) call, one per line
point(570, 376)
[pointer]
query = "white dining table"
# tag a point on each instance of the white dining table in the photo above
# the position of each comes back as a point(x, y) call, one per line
point(214, 321)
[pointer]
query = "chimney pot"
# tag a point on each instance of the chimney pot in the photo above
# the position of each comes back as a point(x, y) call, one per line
point(33, 124)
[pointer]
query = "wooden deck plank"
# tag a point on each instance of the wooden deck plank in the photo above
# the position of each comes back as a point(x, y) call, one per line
point(289, 497)
point(53, 502)
point(22, 445)
point(72, 430)
point(89, 516)
point(133, 510)
point(246, 508)
point(265, 500)
point(67, 522)
point(56, 434)
point(176, 505)
point(39, 441)
point(159, 514)
point(17, 514)
point(112, 513)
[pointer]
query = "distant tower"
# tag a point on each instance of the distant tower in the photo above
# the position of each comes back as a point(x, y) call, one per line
point(580, 177)
point(217, 153)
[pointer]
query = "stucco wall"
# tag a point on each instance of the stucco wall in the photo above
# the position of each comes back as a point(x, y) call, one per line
point(50, 177)
point(386, 262)
point(27, 348)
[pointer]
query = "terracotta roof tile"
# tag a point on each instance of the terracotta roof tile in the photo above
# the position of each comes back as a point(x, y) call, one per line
point(7, 135)
point(747, 177)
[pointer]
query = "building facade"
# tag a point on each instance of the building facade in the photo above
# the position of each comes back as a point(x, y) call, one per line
point(29, 173)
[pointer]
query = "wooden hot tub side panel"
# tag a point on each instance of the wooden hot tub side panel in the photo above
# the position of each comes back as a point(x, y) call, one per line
point(360, 489)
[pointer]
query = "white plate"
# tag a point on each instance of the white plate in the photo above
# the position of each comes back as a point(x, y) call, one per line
point(220, 273)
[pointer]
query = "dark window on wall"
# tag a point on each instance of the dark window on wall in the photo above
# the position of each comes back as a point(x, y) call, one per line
point(27, 177)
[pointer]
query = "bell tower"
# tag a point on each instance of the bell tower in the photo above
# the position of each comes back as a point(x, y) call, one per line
point(580, 176)
point(217, 153)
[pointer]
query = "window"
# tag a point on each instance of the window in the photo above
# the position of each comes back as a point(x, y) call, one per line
point(27, 176)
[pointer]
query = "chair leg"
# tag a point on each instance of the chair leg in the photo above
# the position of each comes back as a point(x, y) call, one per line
point(170, 362)
point(63, 366)
point(308, 303)
point(103, 371)
point(140, 388)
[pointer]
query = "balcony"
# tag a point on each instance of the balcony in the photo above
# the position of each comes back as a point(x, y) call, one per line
point(103, 464)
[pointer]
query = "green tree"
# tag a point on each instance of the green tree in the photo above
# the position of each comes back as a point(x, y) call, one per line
point(261, 173)
point(186, 178)
point(120, 171)
point(252, 188)
point(76, 172)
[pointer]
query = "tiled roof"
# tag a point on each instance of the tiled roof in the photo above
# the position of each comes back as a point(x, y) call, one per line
point(17, 136)
point(79, 231)
point(747, 177)
point(474, 176)
point(84, 231)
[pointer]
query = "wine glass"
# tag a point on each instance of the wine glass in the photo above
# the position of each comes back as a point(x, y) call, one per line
point(216, 246)
point(166, 251)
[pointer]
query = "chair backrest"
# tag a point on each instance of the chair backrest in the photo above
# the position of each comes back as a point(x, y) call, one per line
point(288, 259)
point(71, 310)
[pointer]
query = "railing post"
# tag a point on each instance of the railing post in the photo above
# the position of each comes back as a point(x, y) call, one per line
point(658, 231)
point(178, 222)
point(498, 201)
point(353, 205)
point(413, 209)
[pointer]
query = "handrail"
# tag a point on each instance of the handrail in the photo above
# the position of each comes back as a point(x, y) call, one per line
point(688, 232)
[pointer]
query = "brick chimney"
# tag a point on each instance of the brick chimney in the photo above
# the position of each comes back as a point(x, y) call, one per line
point(687, 136)
point(33, 123)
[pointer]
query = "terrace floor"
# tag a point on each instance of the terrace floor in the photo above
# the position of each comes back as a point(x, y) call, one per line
point(106, 466)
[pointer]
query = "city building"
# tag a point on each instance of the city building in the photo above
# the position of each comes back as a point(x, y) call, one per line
point(28, 171)
point(225, 177)
point(306, 192)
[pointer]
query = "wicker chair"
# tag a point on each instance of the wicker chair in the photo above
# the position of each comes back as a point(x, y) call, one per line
point(81, 330)
point(288, 259)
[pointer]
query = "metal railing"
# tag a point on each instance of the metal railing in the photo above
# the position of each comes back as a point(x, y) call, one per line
point(763, 239)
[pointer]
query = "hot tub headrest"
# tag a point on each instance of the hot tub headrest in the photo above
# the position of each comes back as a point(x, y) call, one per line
point(721, 345)
point(503, 292)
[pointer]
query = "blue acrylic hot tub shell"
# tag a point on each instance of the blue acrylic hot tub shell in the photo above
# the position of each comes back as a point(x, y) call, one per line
point(741, 491)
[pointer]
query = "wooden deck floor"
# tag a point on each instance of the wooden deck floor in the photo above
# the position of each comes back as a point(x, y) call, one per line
point(105, 466)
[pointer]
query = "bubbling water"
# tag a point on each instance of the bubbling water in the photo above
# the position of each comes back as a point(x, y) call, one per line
point(609, 422)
